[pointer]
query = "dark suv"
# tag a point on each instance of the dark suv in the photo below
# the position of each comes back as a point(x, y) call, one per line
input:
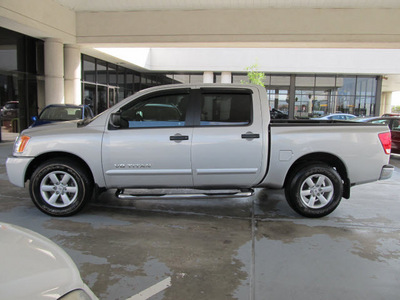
point(10, 111)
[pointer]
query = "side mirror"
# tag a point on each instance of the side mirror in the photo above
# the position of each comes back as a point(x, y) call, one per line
point(139, 116)
point(115, 119)
point(34, 119)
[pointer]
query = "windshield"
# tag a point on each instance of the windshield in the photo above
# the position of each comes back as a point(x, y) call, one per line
point(61, 113)
point(11, 106)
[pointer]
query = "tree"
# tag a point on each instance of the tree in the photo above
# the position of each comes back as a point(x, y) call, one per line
point(396, 109)
point(254, 76)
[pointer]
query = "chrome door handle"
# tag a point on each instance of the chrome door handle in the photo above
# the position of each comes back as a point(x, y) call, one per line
point(250, 135)
point(178, 138)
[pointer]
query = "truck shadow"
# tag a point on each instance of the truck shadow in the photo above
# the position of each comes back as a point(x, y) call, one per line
point(272, 204)
point(395, 160)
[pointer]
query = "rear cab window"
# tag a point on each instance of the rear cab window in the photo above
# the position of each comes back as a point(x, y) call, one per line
point(226, 109)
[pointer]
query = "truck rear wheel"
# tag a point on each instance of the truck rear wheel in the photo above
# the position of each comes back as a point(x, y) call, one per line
point(314, 191)
point(60, 187)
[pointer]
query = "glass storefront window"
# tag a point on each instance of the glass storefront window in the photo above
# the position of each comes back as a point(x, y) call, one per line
point(356, 95)
point(304, 101)
point(9, 57)
point(169, 78)
point(305, 82)
point(196, 78)
point(143, 82)
point(277, 80)
point(366, 86)
point(348, 86)
point(89, 68)
point(121, 94)
point(181, 78)
point(121, 83)
point(101, 72)
point(240, 79)
point(89, 96)
point(320, 104)
point(102, 95)
point(112, 74)
point(21, 83)
point(136, 83)
point(129, 81)
point(370, 106)
point(315, 95)
point(279, 99)
point(327, 82)
point(311, 100)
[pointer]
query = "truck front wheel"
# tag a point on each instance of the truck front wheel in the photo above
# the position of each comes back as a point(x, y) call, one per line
point(60, 187)
point(314, 191)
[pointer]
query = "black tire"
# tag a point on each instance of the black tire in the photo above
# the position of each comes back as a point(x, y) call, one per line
point(314, 191)
point(60, 187)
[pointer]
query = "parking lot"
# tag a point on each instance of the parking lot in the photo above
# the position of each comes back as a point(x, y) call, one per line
point(239, 248)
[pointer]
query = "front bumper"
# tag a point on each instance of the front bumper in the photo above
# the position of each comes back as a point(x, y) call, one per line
point(387, 172)
point(16, 169)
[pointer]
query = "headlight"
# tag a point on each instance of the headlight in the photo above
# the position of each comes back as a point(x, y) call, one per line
point(76, 295)
point(21, 143)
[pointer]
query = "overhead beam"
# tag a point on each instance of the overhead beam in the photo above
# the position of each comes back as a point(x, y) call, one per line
point(300, 27)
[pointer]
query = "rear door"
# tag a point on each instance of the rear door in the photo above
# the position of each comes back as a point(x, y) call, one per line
point(395, 130)
point(152, 146)
point(227, 147)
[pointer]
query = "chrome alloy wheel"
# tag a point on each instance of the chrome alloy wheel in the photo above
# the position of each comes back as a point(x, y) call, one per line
point(59, 189)
point(316, 191)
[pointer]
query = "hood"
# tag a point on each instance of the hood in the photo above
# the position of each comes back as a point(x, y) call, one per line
point(34, 267)
point(41, 122)
point(52, 127)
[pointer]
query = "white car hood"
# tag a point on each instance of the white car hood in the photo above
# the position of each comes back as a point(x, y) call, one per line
point(51, 127)
point(33, 267)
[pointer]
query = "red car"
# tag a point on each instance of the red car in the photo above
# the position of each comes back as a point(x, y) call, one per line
point(394, 125)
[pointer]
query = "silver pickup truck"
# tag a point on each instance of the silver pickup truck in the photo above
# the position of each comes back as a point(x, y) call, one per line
point(211, 138)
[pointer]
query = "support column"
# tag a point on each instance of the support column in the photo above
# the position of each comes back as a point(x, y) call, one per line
point(226, 77)
point(386, 104)
point(54, 71)
point(208, 77)
point(72, 75)
point(378, 101)
point(292, 97)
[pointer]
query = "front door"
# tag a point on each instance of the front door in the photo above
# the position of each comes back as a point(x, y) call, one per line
point(152, 146)
point(227, 148)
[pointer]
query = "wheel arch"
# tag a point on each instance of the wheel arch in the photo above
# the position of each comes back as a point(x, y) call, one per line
point(59, 154)
point(325, 158)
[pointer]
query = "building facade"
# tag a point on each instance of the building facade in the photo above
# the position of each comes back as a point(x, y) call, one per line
point(104, 84)
point(101, 84)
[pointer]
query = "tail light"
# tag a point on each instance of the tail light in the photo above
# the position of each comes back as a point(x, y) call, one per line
point(386, 141)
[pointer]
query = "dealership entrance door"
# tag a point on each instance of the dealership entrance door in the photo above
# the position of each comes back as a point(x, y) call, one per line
point(99, 97)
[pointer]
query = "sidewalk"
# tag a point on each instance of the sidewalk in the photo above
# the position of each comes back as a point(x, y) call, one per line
point(7, 136)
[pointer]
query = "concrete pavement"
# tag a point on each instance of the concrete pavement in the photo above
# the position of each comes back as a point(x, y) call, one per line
point(250, 248)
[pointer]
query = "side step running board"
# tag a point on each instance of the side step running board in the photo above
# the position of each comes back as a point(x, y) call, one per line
point(136, 194)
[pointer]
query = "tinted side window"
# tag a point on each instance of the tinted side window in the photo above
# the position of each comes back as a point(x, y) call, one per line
point(396, 125)
point(159, 111)
point(381, 122)
point(225, 109)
